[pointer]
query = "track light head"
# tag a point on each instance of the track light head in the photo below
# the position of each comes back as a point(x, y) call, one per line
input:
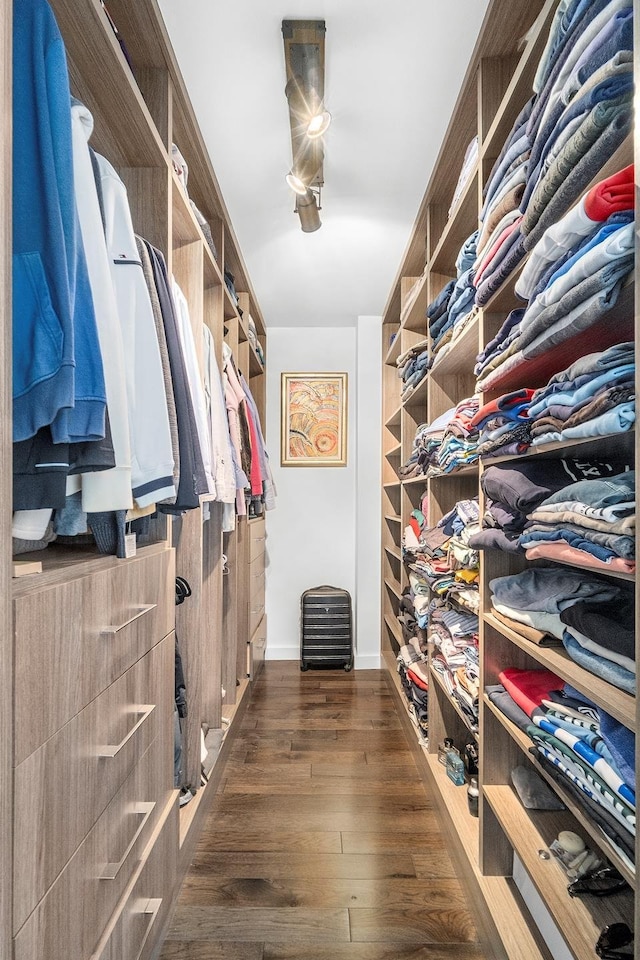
point(318, 125)
point(307, 210)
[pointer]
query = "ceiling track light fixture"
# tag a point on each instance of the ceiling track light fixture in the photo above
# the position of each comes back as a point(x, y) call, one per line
point(308, 118)
point(308, 208)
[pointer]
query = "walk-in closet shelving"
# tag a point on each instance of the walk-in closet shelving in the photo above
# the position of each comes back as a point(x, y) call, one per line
point(87, 777)
point(497, 85)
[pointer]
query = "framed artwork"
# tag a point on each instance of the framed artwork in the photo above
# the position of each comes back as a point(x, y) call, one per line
point(314, 420)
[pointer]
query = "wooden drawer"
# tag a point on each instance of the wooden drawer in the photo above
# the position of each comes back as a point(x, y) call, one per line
point(256, 650)
point(257, 534)
point(73, 640)
point(69, 921)
point(134, 931)
point(256, 593)
point(62, 789)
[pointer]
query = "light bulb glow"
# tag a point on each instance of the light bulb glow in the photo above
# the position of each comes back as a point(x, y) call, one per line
point(297, 185)
point(318, 124)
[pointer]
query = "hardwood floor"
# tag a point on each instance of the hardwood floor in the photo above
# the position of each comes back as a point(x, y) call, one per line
point(322, 843)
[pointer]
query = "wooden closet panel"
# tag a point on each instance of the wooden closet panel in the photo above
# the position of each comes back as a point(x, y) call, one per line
point(6, 650)
point(256, 594)
point(134, 930)
point(75, 639)
point(64, 786)
point(69, 921)
point(256, 650)
point(257, 536)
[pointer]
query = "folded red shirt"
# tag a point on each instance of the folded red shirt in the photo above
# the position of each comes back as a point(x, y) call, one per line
point(611, 195)
point(529, 687)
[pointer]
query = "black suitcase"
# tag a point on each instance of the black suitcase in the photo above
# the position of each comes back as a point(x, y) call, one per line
point(326, 635)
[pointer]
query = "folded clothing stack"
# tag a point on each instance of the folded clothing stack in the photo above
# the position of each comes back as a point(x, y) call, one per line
point(253, 339)
point(596, 635)
point(468, 164)
point(590, 523)
point(583, 110)
point(500, 246)
point(414, 676)
point(503, 425)
point(451, 308)
point(571, 280)
point(413, 366)
point(594, 396)
point(454, 634)
point(443, 441)
point(580, 114)
point(459, 445)
point(440, 559)
point(418, 461)
point(588, 752)
point(515, 490)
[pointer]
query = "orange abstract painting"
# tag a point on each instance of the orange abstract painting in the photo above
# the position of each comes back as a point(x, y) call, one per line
point(314, 419)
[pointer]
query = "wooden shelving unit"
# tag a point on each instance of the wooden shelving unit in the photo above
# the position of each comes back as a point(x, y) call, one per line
point(138, 112)
point(497, 85)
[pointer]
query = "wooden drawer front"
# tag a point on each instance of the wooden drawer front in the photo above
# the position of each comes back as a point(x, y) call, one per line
point(134, 932)
point(256, 650)
point(256, 594)
point(69, 921)
point(62, 788)
point(74, 640)
point(257, 533)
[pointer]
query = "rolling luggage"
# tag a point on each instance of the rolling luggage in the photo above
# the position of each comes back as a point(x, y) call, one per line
point(326, 635)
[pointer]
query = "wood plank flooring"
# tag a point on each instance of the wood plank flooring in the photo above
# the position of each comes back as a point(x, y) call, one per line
point(322, 843)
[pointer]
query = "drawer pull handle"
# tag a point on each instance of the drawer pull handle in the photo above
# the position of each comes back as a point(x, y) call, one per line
point(258, 539)
point(151, 909)
point(111, 631)
point(142, 712)
point(143, 810)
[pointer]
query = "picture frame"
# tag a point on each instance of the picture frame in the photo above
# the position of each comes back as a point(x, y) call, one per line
point(313, 420)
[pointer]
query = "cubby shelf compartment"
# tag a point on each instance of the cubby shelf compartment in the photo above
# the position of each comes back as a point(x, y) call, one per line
point(591, 447)
point(395, 629)
point(619, 704)
point(462, 223)
point(585, 823)
point(529, 832)
point(435, 676)
point(520, 86)
point(394, 418)
point(462, 354)
point(394, 587)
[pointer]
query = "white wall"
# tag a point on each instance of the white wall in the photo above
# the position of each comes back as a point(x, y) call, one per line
point(312, 535)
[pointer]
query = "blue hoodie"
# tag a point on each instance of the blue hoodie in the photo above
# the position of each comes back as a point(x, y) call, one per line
point(57, 366)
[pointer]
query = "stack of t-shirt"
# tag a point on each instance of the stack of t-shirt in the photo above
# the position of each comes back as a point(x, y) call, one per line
point(413, 366)
point(590, 523)
point(455, 637)
point(441, 555)
point(503, 425)
point(594, 396)
point(414, 676)
point(515, 490)
point(417, 461)
point(542, 598)
point(459, 445)
point(572, 278)
point(589, 753)
point(452, 306)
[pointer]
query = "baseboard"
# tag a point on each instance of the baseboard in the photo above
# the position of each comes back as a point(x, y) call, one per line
point(368, 662)
point(281, 653)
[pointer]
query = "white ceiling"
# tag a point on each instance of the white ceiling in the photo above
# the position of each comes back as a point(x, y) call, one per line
point(393, 72)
